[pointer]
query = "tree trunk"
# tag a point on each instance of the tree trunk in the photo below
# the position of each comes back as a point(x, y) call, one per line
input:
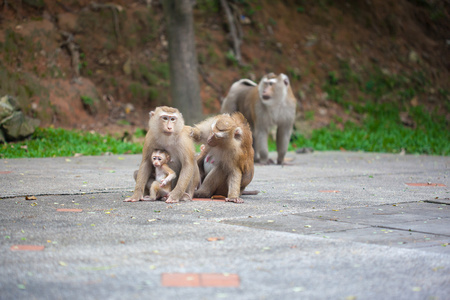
point(184, 82)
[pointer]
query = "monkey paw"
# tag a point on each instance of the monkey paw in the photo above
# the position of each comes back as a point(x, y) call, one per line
point(172, 200)
point(235, 200)
point(131, 199)
point(147, 198)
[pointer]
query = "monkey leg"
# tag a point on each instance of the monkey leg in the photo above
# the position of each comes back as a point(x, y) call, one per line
point(261, 146)
point(212, 182)
point(283, 137)
point(234, 187)
point(143, 178)
point(154, 192)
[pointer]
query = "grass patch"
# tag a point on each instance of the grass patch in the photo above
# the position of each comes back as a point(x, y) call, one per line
point(52, 142)
point(382, 131)
point(379, 96)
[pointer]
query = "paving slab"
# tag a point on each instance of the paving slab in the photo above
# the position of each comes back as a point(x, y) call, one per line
point(331, 225)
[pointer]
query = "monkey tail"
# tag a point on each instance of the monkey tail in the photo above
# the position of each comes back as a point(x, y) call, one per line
point(247, 82)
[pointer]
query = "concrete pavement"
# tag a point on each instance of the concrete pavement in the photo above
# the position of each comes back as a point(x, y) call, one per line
point(330, 225)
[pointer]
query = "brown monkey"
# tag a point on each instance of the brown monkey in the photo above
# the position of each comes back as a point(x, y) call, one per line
point(228, 142)
point(164, 175)
point(269, 103)
point(167, 131)
point(205, 162)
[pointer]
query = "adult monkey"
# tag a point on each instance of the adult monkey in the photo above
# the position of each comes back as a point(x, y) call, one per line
point(167, 132)
point(269, 103)
point(226, 161)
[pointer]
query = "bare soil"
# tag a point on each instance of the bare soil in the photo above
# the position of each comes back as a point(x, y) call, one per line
point(123, 60)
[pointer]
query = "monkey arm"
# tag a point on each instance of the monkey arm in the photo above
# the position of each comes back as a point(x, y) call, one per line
point(234, 185)
point(171, 175)
point(201, 131)
point(187, 171)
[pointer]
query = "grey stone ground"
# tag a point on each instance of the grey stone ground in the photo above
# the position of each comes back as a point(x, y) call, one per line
point(332, 225)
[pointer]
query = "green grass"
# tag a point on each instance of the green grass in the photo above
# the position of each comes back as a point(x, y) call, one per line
point(382, 131)
point(380, 97)
point(49, 142)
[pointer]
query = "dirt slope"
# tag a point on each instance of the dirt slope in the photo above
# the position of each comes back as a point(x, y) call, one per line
point(121, 52)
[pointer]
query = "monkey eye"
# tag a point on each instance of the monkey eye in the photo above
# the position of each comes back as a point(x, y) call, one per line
point(154, 157)
point(165, 118)
point(173, 119)
point(159, 158)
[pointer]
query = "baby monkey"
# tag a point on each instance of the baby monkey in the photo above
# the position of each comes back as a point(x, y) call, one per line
point(164, 175)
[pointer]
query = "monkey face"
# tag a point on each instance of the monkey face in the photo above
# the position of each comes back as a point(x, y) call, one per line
point(267, 87)
point(224, 131)
point(220, 131)
point(213, 140)
point(169, 123)
point(157, 160)
point(267, 91)
point(272, 87)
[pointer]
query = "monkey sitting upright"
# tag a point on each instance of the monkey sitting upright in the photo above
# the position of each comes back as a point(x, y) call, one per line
point(164, 175)
point(167, 131)
point(226, 161)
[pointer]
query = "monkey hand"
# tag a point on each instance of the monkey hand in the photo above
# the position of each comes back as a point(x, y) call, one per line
point(235, 200)
point(190, 130)
point(163, 183)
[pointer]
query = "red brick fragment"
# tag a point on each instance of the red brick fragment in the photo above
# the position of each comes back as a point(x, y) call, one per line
point(219, 280)
point(199, 280)
point(425, 184)
point(27, 248)
point(5, 172)
point(180, 280)
point(69, 209)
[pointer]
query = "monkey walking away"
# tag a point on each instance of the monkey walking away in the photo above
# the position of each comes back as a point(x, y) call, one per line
point(167, 131)
point(226, 161)
point(269, 103)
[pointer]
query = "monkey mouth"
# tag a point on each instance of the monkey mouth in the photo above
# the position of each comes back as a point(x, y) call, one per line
point(265, 97)
point(211, 142)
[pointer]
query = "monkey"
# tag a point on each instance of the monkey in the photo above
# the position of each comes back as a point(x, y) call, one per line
point(164, 175)
point(206, 161)
point(269, 103)
point(167, 131)
point(228, 142)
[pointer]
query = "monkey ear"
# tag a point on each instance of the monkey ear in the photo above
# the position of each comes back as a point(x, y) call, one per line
point(152, 113)
point(238, 132)
point(285, 79)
